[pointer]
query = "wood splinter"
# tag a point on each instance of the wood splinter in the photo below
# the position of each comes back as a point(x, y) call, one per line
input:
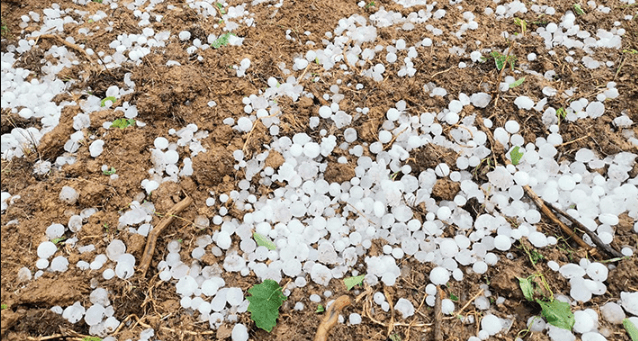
point(332, 316)
point(154, 234)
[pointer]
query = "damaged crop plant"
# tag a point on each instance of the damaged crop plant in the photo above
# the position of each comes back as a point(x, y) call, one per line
point(270, 170)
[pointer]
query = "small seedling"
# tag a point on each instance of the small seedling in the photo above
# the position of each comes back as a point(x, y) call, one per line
point(265, 300)
point(264, 241)
point(579, 10)
point(522, 23)
point(517, 82)
point(98, 1)
point(561, 114)
point(221, 8)
point(632, 51)
point(222, 40)
point(516, 155)
point(92, 338)
point(5, 29)
point(123, 123)
point(110, 98)
point(454, 297)
point(109, 171)
point(351, 282)
point(320, 309)
point(395, 337)
point(3, 306)
point(56, 241)
point(370, 4)
point(501, 60)
point(557, 313)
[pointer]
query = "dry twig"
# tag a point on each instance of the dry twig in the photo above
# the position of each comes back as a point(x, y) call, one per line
point(438, 319)
point(152, 237)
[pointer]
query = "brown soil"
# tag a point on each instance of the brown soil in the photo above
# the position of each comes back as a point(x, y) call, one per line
point(172, 97)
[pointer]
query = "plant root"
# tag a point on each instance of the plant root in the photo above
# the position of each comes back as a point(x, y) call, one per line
point(332, 316)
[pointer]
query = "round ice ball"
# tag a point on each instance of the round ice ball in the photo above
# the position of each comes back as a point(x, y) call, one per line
point(69, 195)
point(439, 275)
point(46, 250)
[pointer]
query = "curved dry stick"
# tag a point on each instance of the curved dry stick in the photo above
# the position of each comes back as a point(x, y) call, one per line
point(332, 316)
point(154, 234)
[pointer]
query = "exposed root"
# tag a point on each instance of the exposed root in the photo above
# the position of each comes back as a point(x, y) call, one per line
point(331, 318)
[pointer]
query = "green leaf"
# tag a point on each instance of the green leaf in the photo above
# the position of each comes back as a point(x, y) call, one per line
point(320, 309)
point(631, 329)
point(579, 10)
point(123, 123)
point(109, 172)
point(4, 306)
point(265, 300)
point(110, 98)
point(352, 281)
point(56, 241)
point(454, 297)
point(517, 83)
point(557, 313)
point(222, 40)
point(499, 59)
point(264, 241)
point(516, 155)
point(91, 338)
point(527, 287)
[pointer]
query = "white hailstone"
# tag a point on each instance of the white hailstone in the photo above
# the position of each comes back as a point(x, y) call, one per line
point(524, 102)
point(455, 106)
point(171, 157)
point(595, 109)
point(439, 275)
point(96, 148)
point(355, 319)
point(24, 275)
point(186, 286)
point(59, 264)
point(579, 290)
point(479, 267)
point(240, 333)
point(311, 149)
point(115, 249)
point(219, 301)
point(234, 296)
point(613, 313)
point(325, 111)
point(502, 243)
point(630, 302)
point(404, 307)
point(94, 314)
point(46, 250)
point(108, 274)
point(583, 322)
point(185, 302)
point(512, 127)
point(69, 195)
point(161, 143)
point(537, 239)
point(223, 240)
point(536, 324)
point(491, 324)
point(447, 306)
point(393, 114)
point(244, 124)
point(74, 313)
point(184, 35)
point(480, 99)
point(125, 267)
point(597, 272)
point(75, 223)
point(320, 274)
point(566, 183)
point(55, 231)
point(571, 270)
point(449, 248)
point(443, 213)
point(592, 336)
point(100, 296)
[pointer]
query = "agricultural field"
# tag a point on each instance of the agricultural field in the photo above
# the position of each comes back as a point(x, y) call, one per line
point(319, 170)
